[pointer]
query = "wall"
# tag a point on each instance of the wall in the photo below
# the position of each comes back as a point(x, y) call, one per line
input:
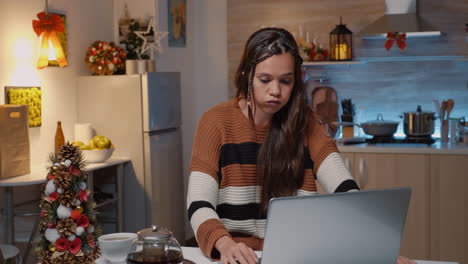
point(380, 87)
point(87, 20)
point(202, 63)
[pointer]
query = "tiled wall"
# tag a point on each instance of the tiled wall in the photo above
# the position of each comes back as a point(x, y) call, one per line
point(392, 88)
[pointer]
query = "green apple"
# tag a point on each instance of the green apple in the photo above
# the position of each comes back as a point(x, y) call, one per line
point(103, 143)
point(96, 139)
point(91, 144)
point(78, 143)
point(84, 147)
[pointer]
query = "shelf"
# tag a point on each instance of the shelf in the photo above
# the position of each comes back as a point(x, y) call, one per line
point(107, 202)
point(331, 63)
point(415, 58)
point(363, 60)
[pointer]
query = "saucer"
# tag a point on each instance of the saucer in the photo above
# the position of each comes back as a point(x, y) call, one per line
point(102, 260)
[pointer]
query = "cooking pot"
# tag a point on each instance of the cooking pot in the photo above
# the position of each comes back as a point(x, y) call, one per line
point(419, 123)
point(378, 127)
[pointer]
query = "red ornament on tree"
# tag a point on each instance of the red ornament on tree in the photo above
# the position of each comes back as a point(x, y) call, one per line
point(62, 244)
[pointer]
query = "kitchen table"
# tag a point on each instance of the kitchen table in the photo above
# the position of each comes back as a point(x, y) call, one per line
point(194, 254)
point(38, 176)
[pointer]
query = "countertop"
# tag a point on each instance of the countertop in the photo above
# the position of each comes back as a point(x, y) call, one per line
point(435, 149)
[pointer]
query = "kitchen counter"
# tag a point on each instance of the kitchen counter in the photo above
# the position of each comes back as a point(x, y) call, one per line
point(436, 148)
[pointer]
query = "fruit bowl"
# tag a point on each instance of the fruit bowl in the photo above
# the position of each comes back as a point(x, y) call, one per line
point(97, 155)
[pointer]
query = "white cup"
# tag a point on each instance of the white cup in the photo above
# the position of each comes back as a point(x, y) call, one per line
point(116, 246)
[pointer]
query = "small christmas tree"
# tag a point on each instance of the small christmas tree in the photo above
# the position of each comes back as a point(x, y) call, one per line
point(68, 221)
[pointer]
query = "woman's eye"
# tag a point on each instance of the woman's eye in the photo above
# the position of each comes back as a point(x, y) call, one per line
point(286, 81)
point(264, 80)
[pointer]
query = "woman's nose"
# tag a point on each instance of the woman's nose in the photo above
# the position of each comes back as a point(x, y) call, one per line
point(275, 89)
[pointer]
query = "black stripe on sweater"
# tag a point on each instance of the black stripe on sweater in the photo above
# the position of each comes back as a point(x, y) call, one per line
point(194, 206)
point(240, 212)
point(246, 153)
point(347, 186)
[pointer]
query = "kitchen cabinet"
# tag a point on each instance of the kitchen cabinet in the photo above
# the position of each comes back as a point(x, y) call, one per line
point(449, 207)
point(381, 170)
point(436, 226)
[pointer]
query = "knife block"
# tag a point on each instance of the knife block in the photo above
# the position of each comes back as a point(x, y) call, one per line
point(347, 131)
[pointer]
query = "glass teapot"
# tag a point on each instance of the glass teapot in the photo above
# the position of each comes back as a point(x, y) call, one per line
point(155, 245)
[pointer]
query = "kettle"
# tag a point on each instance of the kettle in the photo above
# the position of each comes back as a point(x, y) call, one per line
point(155, 245)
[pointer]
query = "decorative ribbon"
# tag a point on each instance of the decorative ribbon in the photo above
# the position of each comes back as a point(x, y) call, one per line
point(47, 27)
point(400, 39)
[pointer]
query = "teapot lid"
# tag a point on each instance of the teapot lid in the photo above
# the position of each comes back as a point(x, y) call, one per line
point(154, 233)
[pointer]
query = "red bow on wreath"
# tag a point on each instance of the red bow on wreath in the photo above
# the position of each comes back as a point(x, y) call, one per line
point(400, 39)
point(48, 26)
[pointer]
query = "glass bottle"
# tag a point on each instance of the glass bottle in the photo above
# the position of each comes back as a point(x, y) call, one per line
point(59, 137)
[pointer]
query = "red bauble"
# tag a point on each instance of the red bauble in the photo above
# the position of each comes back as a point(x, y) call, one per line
point(83, 196)
point(62, 244)
point(53, 196)
point(83, 221)
point(75, 246)
point(75, 214)
point(74, 170)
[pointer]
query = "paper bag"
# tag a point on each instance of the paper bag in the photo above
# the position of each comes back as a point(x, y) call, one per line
point(14, 141)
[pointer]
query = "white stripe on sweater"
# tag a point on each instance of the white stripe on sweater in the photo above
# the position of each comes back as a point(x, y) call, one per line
point(332, 172)
point(302, 192)
point(240, 195)
point(200, 216)
point(202, 187)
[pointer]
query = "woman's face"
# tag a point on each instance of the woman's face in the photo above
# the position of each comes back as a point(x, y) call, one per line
point(272, 84)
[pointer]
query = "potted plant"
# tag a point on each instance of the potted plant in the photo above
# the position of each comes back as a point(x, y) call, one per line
point(138, 61)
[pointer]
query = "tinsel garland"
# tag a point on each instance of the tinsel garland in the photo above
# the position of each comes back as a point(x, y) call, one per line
point(68, 224)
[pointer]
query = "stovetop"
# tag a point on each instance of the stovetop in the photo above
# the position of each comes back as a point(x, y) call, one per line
point(401, 140)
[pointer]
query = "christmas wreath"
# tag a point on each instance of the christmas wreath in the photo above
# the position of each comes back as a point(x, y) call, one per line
point(105, 58)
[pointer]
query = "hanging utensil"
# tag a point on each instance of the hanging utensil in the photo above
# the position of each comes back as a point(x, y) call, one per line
point(450, 105)
point(443, 109)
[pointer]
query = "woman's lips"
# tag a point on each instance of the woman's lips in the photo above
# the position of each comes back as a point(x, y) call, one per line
point(274, 102)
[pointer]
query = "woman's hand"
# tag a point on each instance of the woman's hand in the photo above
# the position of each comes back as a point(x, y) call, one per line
point(234, 253)
point(405, 260)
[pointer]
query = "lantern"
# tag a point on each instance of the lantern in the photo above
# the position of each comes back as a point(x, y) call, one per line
point(341, 43)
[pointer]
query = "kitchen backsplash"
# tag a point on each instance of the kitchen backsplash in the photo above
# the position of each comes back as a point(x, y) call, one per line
point(394, 87)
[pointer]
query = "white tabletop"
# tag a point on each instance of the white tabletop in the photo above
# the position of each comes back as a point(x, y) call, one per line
point(196, 255)
point(38, 174)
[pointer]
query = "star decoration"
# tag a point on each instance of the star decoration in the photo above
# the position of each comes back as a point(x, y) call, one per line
point(158, 35)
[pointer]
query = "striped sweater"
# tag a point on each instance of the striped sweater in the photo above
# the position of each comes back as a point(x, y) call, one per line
point(223, 196)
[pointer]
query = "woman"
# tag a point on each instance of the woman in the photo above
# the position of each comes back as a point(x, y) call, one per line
point(262, 144)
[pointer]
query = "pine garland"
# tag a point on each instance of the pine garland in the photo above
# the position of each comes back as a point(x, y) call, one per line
point(68, 225)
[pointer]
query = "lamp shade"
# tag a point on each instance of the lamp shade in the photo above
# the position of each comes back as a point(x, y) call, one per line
point(47, 28)
point(341, 43)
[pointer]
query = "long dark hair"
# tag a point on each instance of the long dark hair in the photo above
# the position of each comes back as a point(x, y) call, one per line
point(280, 159)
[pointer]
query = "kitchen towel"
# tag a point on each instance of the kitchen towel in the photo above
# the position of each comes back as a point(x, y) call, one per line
point(83, 132)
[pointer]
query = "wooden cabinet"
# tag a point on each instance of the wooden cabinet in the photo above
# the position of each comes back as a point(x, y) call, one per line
point(378, 171)
point(437, 222)
point(449, 207)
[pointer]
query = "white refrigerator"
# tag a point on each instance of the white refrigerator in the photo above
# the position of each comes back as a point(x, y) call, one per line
point(141, 114)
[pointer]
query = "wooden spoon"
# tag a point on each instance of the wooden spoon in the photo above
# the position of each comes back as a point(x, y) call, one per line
point(443, 108)
point(450, 105)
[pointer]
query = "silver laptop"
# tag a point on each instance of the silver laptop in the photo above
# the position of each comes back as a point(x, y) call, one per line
point(355, 227)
